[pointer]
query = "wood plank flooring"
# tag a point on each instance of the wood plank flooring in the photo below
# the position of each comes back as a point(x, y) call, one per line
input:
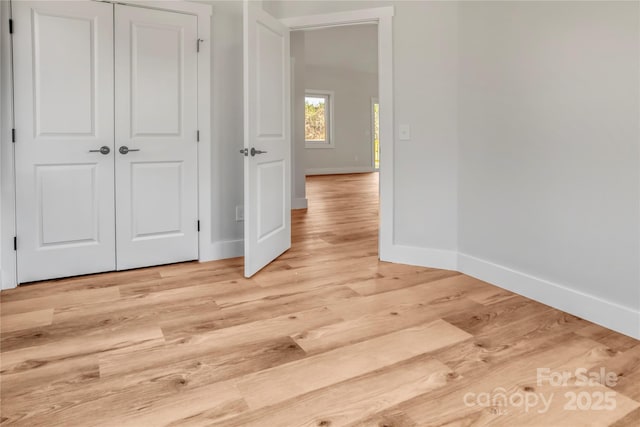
point(325, 336)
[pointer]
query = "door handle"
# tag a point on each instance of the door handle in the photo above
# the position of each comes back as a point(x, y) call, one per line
point(254, 152)
point(124, 149)
point(103, 150)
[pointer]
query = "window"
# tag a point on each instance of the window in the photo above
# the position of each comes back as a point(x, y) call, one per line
point(318, 107)
point(375, 107)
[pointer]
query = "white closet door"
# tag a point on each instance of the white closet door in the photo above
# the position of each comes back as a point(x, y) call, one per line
point(267, 199)
point(63, 70)
point(156, 113)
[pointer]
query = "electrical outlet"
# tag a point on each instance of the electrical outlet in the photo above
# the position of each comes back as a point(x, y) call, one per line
point(239, 213)
point(405, 132)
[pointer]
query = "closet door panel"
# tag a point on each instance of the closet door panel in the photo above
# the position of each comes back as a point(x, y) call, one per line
point(63, 74)
point(156, 120)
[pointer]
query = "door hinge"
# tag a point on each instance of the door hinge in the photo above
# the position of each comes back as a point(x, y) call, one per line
point(15, 243)
point(13, 135)
point(197, 136)
point(198, 225)
point(10, 26)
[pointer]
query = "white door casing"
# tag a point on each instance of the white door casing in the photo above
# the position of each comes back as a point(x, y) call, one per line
point(267, 196)
point(63, 79)
point(156, 113)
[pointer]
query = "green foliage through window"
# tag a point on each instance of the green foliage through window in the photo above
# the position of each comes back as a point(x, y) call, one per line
point(315, 118)
point(376, 135)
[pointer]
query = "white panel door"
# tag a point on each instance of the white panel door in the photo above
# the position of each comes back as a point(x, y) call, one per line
point(156, 120)
point(63, 71)
point(267, 199)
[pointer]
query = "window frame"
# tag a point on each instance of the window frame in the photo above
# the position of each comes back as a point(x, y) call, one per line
point(329, 140)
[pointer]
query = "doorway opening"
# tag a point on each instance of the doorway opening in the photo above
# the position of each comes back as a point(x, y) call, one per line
point(266, 72)
point(336, 125)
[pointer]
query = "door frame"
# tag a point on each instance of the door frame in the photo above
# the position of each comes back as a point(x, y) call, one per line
point(383, 16)
point(8, 256)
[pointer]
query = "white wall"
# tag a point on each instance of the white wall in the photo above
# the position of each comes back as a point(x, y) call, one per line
point(425, 83)
point(298, 164)
point(344, 60)
point(352, 127)
point(549, 150)
point(226, 128)
point(349, 47)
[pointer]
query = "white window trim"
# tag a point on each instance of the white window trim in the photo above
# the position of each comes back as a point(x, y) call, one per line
point(330, 123)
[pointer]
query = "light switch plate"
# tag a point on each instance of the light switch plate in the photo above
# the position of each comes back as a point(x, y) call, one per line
point(405, 132)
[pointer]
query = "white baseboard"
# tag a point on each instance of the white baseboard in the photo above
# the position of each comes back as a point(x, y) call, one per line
point(423, 257)
point(216, 251)
point(597, 310)
point(611, 315)
point(337, 171)
point(223, 249)
point(299, 203)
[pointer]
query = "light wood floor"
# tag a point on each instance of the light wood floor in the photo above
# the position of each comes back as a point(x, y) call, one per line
point(325, 336)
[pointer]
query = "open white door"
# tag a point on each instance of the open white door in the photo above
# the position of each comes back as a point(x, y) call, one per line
point(267, 199)
point(63, 71)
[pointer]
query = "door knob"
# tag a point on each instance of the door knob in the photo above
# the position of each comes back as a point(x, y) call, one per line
point(254, 152)
point(124, 149)
point(103, 150)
